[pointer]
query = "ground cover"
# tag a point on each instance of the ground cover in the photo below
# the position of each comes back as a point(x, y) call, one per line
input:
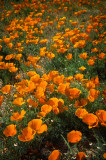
point(52, 80)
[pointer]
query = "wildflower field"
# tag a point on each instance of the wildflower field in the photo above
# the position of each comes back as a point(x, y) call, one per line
point(52, 80)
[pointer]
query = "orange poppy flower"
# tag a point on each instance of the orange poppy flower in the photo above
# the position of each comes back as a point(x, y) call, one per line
point(74, 23)
point(6, 89)
point(18, 101)
point(74, 136)
point(61, 50)
point(80, 44)
point(83, 56)
point(41, 114)
point(81, 112)
point(84, 81)
point(39, 92)
point(90, 85)
point(43, 41)
point(93, 57)
point(53, 74)
point(46, 108)
point(79, 76)
point(81, 103)
point(61, 88)
point(69, 56)
point(82, 68)
point(91, 120)
point(104, 155)
point(50, 88)
point(10, 45)
point(32, 103)
point(3, 65)
point(56, 110)
point(36, 125)
point(31, 73)
point(46, 77)
point(10, 56)
point(6, 40)
point(104, 93)
point(0, 47)
point(94, 50)
point(95, 81)
point(53, 102)
point(60, 102)
point(101, 56)
point(93, 94)
point(1, 57)
point(60, 106)
point(27, 134)
point(18, 76)
point(35, 78)
point(69, 79)
point(31, 87)
point(55, 155)
point(42, 84)
point(72, 93)
point(50, 55)
point(1, 100)
point(17, 117)
point(10, 130)
point(18, 57)
point(91, 62)
point(12, 69)
point(80, 156)
point(101, 114)
point(58, 79)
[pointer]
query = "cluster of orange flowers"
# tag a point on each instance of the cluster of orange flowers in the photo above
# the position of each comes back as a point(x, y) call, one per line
point(39, 92)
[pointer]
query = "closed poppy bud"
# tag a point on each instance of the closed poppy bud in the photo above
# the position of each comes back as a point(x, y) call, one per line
point(81, 156)
point(10, 130)
point(1, 57)
point(1, 100)
point(74, 136)
point(54, 155)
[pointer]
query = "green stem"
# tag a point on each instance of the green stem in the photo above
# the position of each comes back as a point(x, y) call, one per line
point(67, 144)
